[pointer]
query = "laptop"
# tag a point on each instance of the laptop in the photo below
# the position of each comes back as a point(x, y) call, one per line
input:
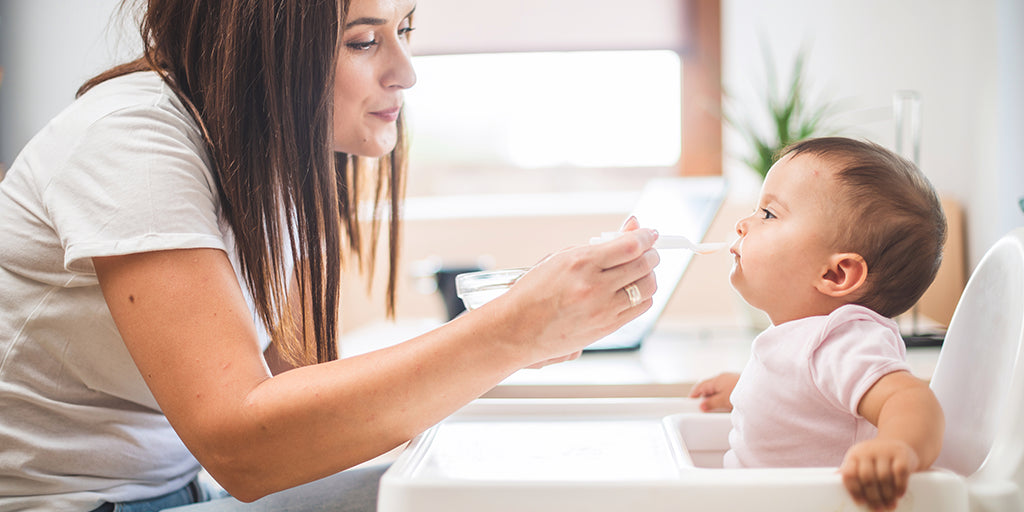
point(673, 206)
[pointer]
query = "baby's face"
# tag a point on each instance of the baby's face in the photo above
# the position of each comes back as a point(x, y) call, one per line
point(785, 244)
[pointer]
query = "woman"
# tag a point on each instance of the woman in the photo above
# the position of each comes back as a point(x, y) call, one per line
point(176, 242)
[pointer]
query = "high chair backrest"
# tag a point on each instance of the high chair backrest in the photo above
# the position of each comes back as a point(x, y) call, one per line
point(979, 377)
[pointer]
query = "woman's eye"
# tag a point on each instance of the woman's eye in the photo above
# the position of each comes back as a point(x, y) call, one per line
point(765, 214)
point(404, 32)
point(363, 45)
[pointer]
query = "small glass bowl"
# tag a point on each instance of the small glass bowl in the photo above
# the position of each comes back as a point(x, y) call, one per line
point(478, 288)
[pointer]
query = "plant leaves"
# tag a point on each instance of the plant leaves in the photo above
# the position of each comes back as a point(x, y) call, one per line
point(791, 118)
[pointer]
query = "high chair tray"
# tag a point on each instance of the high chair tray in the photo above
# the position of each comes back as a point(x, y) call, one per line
point(613, 455)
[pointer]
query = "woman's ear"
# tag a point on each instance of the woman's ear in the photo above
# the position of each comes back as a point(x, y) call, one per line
point(845, 274)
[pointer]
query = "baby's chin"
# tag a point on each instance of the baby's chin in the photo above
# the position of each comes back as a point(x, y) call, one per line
point(737, 285)
point(736, 279)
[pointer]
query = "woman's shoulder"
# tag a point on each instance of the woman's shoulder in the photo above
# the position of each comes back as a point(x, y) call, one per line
point(123, 130)
point(139, 85)
point(142, 97)
point(133, 116)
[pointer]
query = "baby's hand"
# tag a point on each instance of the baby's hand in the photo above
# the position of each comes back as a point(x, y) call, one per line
point(715, 392)
point(876, 472)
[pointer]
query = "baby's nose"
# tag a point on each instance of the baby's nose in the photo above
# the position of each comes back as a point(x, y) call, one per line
point(741, 226)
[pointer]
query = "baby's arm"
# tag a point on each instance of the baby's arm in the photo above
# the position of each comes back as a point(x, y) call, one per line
point(715, 392)
point(910, 428)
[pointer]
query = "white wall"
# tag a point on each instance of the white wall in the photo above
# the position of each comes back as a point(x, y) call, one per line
point(1006, 185)
point(47, 49)
point(963, 57)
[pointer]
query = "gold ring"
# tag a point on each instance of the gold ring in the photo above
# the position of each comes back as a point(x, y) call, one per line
point(633, 292)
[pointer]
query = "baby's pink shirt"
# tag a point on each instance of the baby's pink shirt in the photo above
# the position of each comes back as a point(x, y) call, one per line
point(795, 404)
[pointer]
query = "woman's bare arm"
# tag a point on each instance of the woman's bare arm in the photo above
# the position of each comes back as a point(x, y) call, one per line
point(184, 320)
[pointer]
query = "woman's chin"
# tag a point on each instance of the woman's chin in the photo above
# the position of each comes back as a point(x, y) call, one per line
point(374, 148)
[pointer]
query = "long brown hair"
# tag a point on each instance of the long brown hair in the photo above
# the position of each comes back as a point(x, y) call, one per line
point(257, 77)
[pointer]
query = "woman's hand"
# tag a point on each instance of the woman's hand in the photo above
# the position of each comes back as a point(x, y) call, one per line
point(715, 392)
point(577, 296)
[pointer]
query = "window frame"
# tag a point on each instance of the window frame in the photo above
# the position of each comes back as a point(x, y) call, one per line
point(699, 50)
point(701, 148)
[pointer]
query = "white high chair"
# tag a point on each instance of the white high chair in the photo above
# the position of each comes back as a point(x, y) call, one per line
point(979, 380)
point(565, 457)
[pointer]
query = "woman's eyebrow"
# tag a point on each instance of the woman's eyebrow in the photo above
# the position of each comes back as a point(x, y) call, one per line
point(367, 20)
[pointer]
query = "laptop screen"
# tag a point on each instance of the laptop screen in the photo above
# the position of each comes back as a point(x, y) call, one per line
point(673, 206)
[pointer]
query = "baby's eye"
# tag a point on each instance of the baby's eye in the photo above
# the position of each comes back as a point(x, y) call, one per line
point(765, 214)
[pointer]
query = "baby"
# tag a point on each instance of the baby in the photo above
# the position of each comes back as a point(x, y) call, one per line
point(846, 236)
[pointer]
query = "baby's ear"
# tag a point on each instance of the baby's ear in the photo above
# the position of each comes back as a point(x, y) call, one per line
point(845, 274)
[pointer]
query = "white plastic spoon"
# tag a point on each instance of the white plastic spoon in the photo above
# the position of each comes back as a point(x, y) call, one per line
point(669, 242)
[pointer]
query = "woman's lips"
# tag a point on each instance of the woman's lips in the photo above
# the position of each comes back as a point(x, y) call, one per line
point(388, 115)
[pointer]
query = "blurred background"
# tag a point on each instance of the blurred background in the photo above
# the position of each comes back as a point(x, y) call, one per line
point(535, 123)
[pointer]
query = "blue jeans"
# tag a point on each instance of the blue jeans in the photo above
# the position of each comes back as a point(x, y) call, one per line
point(354, 490)
point(194, 492)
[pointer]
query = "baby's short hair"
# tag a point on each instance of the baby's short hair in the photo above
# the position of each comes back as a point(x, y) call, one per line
point(889, 213)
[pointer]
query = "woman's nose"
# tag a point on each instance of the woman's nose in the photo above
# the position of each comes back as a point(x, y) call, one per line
point(400, 73)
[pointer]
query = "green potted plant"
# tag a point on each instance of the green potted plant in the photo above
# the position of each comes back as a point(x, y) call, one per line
point(791, 117)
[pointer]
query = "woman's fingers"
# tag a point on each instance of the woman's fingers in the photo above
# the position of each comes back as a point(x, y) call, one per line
point(638, 293)
point(634, 282)
point(631, 224)
point(580, 294)
point(624, 249)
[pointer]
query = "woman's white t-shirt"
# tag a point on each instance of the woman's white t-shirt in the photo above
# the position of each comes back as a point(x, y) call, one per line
point(123, 170)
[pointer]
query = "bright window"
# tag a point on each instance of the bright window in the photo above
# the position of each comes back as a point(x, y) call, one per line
point(539, 113)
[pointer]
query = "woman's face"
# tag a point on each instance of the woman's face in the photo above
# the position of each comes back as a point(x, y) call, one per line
point(372, 70)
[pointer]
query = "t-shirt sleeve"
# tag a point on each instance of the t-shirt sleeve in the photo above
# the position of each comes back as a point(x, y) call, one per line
point(856, 350)
point(136, 182)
